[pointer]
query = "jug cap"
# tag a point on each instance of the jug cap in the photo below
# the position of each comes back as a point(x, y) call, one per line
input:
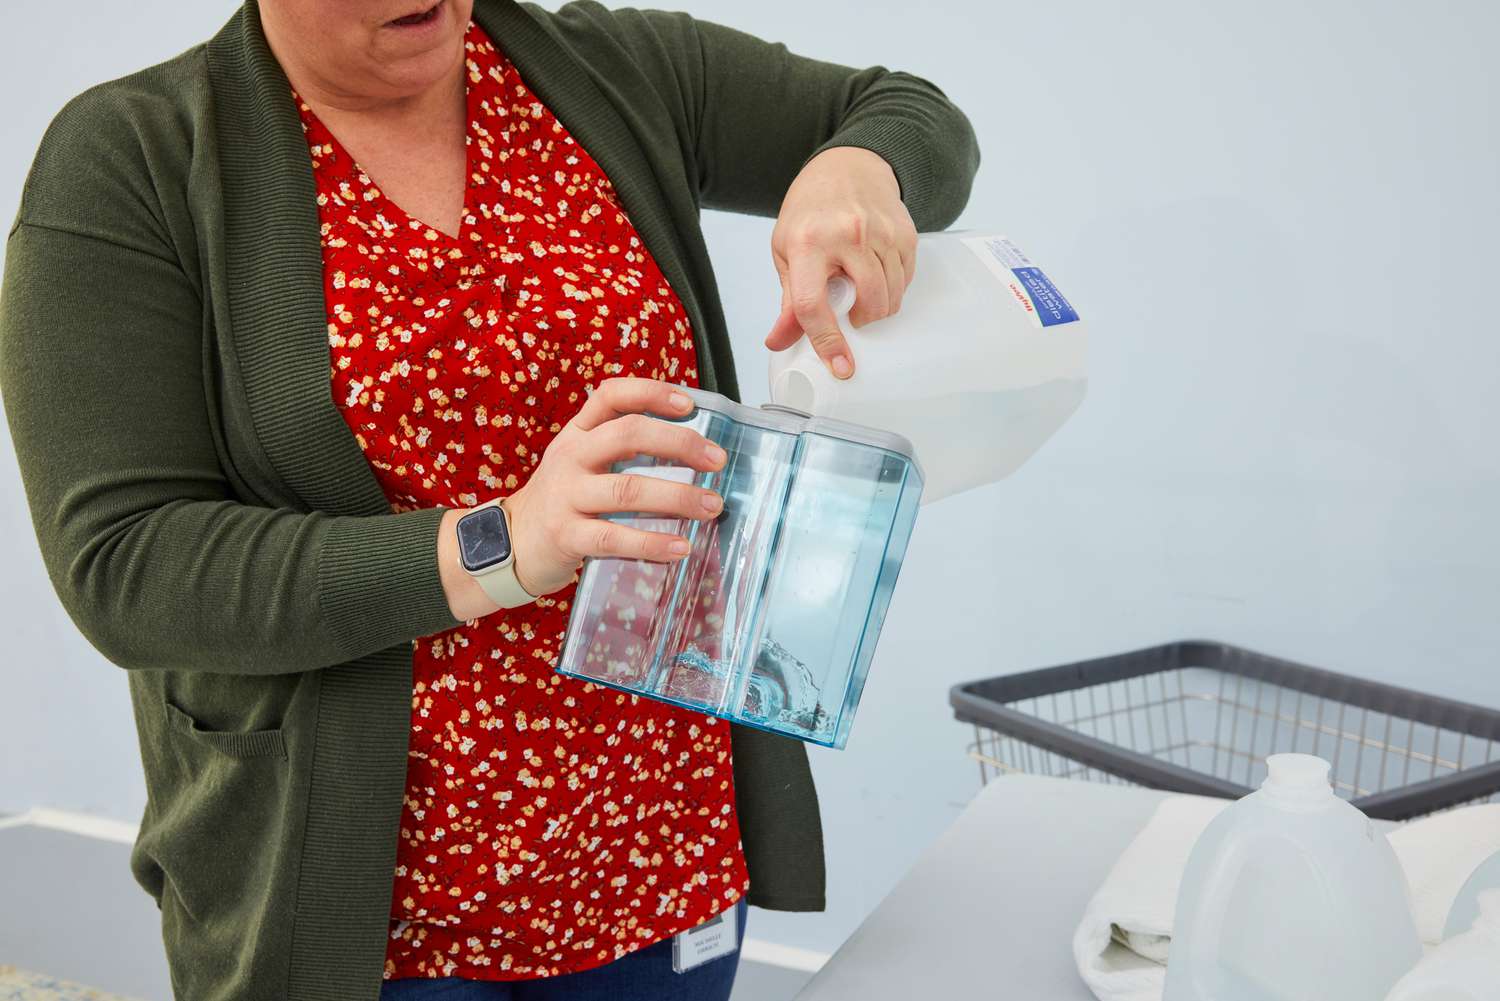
point(841, 293)
point(1297, 780)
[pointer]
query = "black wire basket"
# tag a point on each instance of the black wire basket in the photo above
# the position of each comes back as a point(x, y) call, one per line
point(1200, 717)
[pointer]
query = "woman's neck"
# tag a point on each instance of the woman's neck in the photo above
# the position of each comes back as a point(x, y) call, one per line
point(410, 140)
point(433, 118)
point(418, 112)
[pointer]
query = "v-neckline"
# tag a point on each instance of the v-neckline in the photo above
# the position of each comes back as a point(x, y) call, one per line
point(271, 257)
point(393, 209)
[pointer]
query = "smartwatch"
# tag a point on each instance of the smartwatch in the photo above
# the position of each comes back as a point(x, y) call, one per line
point(485, 551)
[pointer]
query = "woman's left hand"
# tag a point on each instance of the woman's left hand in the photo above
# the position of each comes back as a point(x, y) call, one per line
point(842, 213)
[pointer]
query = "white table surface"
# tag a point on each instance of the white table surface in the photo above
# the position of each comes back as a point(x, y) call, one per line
point(989, 909)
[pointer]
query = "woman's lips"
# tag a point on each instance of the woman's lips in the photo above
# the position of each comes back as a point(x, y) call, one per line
point(419, 18)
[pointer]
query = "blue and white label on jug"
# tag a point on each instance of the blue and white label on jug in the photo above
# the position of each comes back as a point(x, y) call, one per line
point(1031, 289)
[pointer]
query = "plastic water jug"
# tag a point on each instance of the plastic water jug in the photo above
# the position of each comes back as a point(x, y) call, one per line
point(1290, 894)
point(772, 618)
point(1465, 967)
point(1465, 907)
point(982, 364)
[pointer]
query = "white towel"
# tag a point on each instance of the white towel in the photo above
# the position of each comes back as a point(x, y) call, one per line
point(1121, 944)
point(1438, 854)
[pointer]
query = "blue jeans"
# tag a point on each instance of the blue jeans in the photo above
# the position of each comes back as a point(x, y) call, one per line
point(643, 975)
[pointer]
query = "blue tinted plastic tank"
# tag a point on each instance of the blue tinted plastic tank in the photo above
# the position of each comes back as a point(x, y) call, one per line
point(772, 619)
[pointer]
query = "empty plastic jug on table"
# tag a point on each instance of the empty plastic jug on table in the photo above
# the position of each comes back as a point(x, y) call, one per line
point(1290, 894)
point(983, 362)
point(771, 619)
point(1465, 967)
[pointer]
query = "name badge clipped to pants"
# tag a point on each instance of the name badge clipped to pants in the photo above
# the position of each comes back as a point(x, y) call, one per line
point(713, 938)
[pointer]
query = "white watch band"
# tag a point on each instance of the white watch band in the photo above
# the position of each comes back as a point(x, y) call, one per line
point(500, 581)
point(504, 587)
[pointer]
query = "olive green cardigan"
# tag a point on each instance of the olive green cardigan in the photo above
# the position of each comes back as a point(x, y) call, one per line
point(211, 525)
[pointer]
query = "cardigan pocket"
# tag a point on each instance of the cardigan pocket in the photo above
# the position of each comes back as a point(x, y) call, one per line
point(215, 842)
point(235, 743)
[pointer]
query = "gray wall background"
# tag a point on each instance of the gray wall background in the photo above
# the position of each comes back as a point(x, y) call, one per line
point(1279, 220)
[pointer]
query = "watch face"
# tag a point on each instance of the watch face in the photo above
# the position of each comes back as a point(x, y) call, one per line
point(482, 539)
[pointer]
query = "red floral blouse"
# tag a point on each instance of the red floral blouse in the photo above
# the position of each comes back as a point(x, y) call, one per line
point(550, 825)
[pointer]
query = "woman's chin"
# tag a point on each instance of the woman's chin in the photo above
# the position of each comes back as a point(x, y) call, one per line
point(428, 29)
point(412, 57)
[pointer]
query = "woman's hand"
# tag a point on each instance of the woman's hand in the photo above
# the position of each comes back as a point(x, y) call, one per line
point(842, 213)
point(553, 518)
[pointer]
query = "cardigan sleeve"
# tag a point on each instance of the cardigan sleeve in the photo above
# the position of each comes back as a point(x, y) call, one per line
point(142, 537)
point(753, 113)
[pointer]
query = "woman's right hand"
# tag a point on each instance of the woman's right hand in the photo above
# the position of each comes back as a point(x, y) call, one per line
point(554, 517)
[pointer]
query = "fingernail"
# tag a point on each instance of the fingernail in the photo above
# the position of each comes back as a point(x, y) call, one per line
point(715, 454)
point(841, 366)
point(712, 502)
point(678, 548)
point(680, 401)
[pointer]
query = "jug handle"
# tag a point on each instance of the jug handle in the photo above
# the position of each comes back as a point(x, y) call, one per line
point(1216, 885)
point(814, 390)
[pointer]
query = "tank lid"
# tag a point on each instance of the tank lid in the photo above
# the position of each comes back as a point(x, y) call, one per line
point(1297, 779)
point(791, 420)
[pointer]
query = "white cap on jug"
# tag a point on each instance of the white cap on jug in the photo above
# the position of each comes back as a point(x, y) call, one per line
point(840, 294)
point(1297, 779)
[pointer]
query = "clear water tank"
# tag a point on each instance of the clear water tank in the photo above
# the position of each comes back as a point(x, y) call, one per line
point(772, 618)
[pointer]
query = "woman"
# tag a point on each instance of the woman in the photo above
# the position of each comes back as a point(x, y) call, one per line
point(276, 314)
